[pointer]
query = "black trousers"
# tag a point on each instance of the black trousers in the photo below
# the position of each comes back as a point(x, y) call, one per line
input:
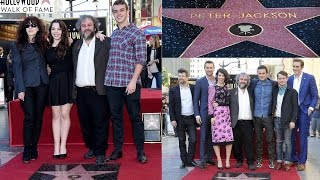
point(243, 137)
point(117, 98)
point(187, 125)
point(94, 115)
point(33, 107)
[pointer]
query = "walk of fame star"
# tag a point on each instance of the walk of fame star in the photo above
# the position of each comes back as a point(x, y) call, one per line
point(45, 1)
point(241, 176)
point(217, 21)
point(76, 171)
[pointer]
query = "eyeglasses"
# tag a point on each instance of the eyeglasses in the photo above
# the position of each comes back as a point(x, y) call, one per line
point(31, 25)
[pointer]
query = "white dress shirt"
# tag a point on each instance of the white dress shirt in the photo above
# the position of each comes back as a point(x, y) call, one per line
point(279, 104)
point(85, 68)
point(245, 112)
point(296, 84)
point(186, 101)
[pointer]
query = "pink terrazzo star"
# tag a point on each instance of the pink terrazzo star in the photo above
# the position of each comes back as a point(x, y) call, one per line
point(216, 23)
point(45, 1)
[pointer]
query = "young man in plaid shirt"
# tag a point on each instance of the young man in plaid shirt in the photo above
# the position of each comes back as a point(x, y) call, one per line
point(122, 78)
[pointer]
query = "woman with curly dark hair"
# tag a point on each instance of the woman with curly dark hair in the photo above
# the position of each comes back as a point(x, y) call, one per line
point(31, 80)
point(59, 58)
point(219, 112)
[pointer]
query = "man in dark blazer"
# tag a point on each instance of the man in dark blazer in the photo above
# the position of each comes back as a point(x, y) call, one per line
point(285, 112)
point(4, 72)
point(241, 112)
point(90, 57)
point(182, 117)
point(305, 85)
point(200, 106)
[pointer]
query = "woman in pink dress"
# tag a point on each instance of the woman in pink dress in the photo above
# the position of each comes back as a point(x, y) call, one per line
point(219, 112)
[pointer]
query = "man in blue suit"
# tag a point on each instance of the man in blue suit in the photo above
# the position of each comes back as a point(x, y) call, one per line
point(200, 106)
point(306, 87)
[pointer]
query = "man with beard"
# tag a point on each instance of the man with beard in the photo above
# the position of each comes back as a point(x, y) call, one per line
point(305, 85)
point(182, 118)
point(90, 57)
point(122, 78)
point(200, 106)
point(241, 108)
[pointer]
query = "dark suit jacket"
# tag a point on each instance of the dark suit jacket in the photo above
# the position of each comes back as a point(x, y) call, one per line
point(234, 105)
point(253, 85)
point(201, 94)
point(308, 93)
point(175, 102)
point(101, 57)
point(158, 56)
point(289, 107)
point(3, 64)
point(29, 68)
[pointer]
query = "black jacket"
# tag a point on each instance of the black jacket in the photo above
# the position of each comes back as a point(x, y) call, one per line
point(289, 107)
point(157, 54)
point(175, 102)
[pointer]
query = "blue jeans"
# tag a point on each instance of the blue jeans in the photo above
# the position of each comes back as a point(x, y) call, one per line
point(158, 77)
point(283, 135)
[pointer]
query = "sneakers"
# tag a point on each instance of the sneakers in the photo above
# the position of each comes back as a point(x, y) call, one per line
point(271, 164)
point(259, 163)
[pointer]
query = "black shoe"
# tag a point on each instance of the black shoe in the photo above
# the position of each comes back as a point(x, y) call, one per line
point(26, 156)
point(183, 165)
point(192, 164)
point(203, 166)
point(63, 156)
point(115, 155)
point(56, 156)
point(89, 155)
point(141, 158)
point(101, 160)
point(34, 153)
point(211, 162)
point(239, 164)
point(220, 167)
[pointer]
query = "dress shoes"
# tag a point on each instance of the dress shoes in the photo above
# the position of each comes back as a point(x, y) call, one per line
point(33, 154)
point(287, 167)
point(192, 164)
point(141, 158)
point(301, 167)
point(294, 163)
point(211, 162)
point(239, 164)
point(89, 155)
point(101, 160)
point(183, 165)
point(203, 166)
point(278, 166)
point(115, 155)
point(26, 156)
point(252, 167)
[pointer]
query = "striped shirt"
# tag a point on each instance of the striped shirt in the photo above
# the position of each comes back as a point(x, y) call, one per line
point(128, 48)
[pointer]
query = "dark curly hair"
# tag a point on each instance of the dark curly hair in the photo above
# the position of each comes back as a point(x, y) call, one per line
point(64, 43)
point(225, 73)
point(40, 40)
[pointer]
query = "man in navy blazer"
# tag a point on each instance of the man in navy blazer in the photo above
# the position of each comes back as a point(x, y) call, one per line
point(306, 87)
point(182, 117)
point(200, 106)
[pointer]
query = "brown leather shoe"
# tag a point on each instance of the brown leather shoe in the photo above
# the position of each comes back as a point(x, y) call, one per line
point(301, 167)
point(278, 165)
point(287, 167)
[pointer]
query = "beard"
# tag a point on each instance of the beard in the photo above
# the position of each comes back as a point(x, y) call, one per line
point(87, 37)
point(243, 86)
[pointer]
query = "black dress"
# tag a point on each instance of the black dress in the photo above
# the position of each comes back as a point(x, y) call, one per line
point(60, 78)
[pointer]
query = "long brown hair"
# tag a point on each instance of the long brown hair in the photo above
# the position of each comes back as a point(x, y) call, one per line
point(156, 40)
point(64, 43)
point(40, 39)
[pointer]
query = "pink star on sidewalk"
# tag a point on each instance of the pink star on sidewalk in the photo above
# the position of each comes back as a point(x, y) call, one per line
point(45, 1)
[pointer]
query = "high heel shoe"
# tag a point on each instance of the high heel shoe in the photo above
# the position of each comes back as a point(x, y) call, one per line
point(62, 156)
point(228, 167)
point(220, 167)
point(56, 156)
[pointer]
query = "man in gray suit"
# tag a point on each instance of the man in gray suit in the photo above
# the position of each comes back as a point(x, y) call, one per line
point(241, 108)
point(200, 106)
point(90, 57)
